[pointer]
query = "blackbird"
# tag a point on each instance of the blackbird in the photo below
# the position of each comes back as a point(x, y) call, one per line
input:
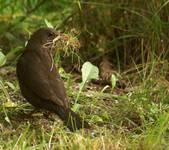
point(40, 82)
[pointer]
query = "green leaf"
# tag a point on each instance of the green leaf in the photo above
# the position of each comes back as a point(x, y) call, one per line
point(113, 80)
point(7, 119)
point(48, 24)
point(79, 4)
point(89, 71)
point(11, 85)
point(2, 59)
point(96, 119)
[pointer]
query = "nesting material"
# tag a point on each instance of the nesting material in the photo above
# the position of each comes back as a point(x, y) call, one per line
point(64, 42)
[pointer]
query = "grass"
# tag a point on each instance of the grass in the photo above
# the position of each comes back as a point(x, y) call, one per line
point(136, 117)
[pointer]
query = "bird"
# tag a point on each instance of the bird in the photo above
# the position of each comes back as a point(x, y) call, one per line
point(40, 82)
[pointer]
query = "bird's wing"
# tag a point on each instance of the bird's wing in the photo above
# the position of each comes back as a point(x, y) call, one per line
point(34, 76)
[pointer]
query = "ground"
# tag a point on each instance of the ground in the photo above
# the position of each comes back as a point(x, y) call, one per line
point(134, 118)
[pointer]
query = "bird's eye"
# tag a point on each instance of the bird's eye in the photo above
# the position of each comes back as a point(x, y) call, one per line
point(50, 34)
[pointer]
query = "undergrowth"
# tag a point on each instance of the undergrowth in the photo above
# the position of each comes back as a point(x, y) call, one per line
point(134, 34)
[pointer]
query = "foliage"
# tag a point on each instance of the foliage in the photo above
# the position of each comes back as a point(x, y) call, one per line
point(132, 33)
point(89, 72)
point(2, 59)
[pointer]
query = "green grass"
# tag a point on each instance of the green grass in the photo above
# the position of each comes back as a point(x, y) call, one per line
point(135, 119)
point(135, 34)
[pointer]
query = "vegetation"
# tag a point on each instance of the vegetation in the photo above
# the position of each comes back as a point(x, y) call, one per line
point(134, 34)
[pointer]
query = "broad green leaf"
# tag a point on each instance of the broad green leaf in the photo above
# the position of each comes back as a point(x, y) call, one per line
point(89, 71)
point(2, 59)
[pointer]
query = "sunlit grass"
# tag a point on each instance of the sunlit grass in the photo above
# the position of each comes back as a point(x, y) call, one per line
point(136, 117)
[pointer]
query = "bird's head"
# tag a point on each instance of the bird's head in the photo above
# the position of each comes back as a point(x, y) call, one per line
point(41, 37)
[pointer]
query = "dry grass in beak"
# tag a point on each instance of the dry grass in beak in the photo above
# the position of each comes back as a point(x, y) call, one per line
point(63, 42)
point(66, 43)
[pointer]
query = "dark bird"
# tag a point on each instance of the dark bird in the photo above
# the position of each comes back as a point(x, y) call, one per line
point(40, 82)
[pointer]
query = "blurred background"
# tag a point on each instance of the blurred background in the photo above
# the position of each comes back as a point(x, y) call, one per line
point(130, 32)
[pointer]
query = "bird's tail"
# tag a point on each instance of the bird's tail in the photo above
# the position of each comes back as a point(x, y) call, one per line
point(71, 119)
